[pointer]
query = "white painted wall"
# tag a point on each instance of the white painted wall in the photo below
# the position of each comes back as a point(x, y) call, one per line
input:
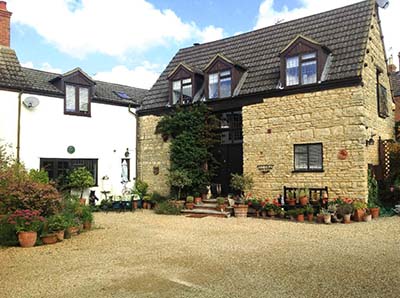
point(46, 133)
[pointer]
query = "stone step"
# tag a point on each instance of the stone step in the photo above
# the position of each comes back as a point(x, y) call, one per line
point(213, 213)
point(205, 206)
point(209, 201)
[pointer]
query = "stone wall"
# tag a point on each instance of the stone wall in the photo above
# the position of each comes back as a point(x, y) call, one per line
point(339, 119)
point(153, 153)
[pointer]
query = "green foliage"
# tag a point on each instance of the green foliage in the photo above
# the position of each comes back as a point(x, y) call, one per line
point(40, 176)
point(168, 208)
point(372, 190)
point(189, 199)
point(157, 198)
point(56, 223)
point(220, 201)
point(8, 234)
point(179, 179)
point(140, 188)
point(80, 178)
point(26, 220)
point(308, 209)
point(193, 136)
point(86, 214)
point(243, 183)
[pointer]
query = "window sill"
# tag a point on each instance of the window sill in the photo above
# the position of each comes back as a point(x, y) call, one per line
point(308, 171)
point(77, 114)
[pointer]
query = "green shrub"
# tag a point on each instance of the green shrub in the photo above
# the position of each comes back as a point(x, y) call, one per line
point(168, 208)
point(56, 223)
point(140, 188)
point(8, 234)
point(40, 176)
point(80, 178)
point(157, 198)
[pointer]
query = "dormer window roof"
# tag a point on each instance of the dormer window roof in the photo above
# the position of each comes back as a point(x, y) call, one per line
point(302, 62)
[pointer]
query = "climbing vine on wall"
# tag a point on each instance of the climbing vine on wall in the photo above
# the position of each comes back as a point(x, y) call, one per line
point(192, 134)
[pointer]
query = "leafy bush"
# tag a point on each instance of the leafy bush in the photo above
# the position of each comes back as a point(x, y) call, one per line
point(8, 234)
point(40, 176)
point(243, 183)
point(56, 223)
point(168, 208)
point(80, 178)
point(140, 188)
point(179, 179)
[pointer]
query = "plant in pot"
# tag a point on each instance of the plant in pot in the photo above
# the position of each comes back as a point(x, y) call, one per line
point(80, 179)
point(48, 237)
point(292, 213)
point(243, 184)
point(268, 208)
point(179, 179)
point(139, 191)
point(254, 206)
point(146, 202)
point(221, 204)
point(359, 206)
point(27, 223)
point(300, 214)
point(57, 224)
point(290, 200)
point(314, 200)
point(373, 195)
point(309, 211)
point(303, 196)
point(73, 225)
point(327, 215)
point(197, 198)
point(87, 217)
point(374, 209)
point(345, 209)
point(367, 215)
point(189, 202)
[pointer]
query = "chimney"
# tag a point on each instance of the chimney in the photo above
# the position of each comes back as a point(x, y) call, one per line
point(391, 66)
point(5, 16)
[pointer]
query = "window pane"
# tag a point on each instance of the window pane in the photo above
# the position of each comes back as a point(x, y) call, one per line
point(176, 92)
point(292, 71)
point(213, 85)
point(187, 93)
point(70, 98)
point(308, 56)
point(309, 72)
point(225, 87)
point(300, 161)
point(382, 101)
point(226, 73)
point(315, 156)
point(84, 99)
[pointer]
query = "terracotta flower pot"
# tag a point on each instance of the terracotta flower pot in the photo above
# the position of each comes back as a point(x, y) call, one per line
point(347, 218)
point(60, 235)
point(135, 204)
point(73, 230)
point(271, 213)
point(49, 239)
point(303, 201)
point(221, 207)
point(144, 205)
point(310, 217)
point(300, 217)
point(367, 217)
point(197, 200)
point(241, 210)
point(87, 225)
point(27, 239)
point(82, 201)
point(320, 218)
point(359, 214)
point(148, 205)
point(374, 212)
point(291, 202)
point(264, 214)
point(189, 206)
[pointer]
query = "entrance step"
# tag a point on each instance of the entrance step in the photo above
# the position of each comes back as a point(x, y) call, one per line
point(209, 201)
point(207, 212)
point(208, 206)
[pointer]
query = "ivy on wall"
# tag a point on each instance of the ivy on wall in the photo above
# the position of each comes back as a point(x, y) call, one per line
point(192, 133)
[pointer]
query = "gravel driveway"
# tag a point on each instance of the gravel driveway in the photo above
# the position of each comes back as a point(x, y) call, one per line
point(142, 254)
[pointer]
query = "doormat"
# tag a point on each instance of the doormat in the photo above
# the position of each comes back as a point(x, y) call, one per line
point(197, 215)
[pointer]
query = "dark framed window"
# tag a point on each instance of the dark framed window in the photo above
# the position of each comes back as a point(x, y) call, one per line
point(77, 100)
point(59, 168)
point(220, 84)
point(308, 157)
point(381, 92)
point(231, 128)
point(301, 69)
point(182, 92)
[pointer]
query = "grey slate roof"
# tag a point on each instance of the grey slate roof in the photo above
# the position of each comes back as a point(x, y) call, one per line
point(395, 80)
point(344, 31)
point(13, 76)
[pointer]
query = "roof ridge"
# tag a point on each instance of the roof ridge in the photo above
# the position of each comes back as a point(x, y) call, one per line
point(39, 70)
point(253, 31)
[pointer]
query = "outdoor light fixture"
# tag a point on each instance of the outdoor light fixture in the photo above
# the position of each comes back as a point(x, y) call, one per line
point(370, 141)
point(127, 153)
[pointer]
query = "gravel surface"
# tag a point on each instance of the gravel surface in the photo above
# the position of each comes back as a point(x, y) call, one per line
point(142, 254)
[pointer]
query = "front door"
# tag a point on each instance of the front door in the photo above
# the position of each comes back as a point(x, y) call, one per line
point(229, 153)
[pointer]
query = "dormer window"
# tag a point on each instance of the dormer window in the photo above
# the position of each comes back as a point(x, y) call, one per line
point(182, 91)
point(77, 100)
point(219, 84)
point(302, 68)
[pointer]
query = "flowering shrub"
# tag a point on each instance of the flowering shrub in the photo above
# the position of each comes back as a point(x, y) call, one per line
point(26, 220)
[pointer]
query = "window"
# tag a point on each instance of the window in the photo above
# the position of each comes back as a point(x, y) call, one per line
point(383, 110)
point(220, 84)
point(58, 168)
point(231, 128)
point(77, 100)
point(122, 95)
point(301, 69)
point(182, 91)
point(308, 158)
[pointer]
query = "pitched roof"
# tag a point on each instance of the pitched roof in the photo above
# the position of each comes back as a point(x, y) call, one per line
point(344, 31)
point(13, 76)
point(395, 80)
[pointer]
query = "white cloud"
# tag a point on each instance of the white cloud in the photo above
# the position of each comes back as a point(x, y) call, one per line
point(44, 66)
point(268, 16)
point(143, 76)
point(211, 33)
point(108, 27)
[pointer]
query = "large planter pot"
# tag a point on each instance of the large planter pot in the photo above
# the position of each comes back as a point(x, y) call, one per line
point(271, 213)
point(27, 239)
point(144, 205)
point(300, 217)
point(320, 218)
point(73, 230)
point(374, 212)
point(148, 205)
point(367, 217)
point(359, 214)
point(241, 210)
point(197, 200)
point(327, 218)
point(189, 206)
point(49, 239)
point(310, 217)
point(135, 204)
point(221, 207)
point(347, 218)
point(291, 202)
point(82, 201)
point(303, 201)
point(264, 214)
point(60, 235)
point(87, 225)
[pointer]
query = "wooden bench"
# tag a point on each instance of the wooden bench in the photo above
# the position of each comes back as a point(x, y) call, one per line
point(311, 191)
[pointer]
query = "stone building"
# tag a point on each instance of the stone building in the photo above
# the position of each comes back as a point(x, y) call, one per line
point(395, 80)
point(305, 103)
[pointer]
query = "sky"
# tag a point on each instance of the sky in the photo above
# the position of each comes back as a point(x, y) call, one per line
point(131, 41)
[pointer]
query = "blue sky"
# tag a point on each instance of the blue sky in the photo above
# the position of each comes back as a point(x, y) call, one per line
point(131, 41)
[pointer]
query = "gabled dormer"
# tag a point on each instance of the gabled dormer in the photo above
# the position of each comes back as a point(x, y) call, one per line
point(222, 77)
point(78, 88)
point(302, 62)
point(184, 82)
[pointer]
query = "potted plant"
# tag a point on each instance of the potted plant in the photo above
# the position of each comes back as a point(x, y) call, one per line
point(359, 209)
point(80, 179)
point(73, 225)
point(300, 214)
point(57, 224)
point(290, 198)
point(292, 214)
point(373, 209)
point(179, 179)
point(309, 211)
point(303, 196)
point(49, 238)
point(314, 200)
point(327, 215)
point(197, 198)
point(373, 195)
point(27, 223)
point(367, 215)
point(189, 202)
point(87, 217)
point(345, 209)
point(243, 184)
point(221, 204)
